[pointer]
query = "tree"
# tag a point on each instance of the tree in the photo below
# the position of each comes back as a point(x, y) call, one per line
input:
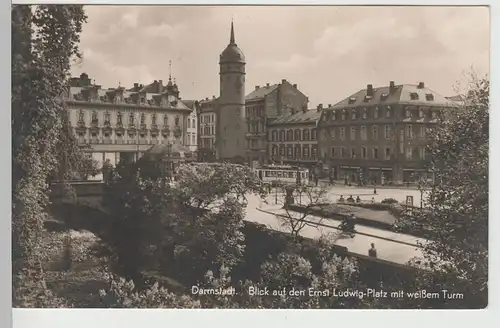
point(184, 229)
point(308, 198)
point(44, 40)
point(457, 215)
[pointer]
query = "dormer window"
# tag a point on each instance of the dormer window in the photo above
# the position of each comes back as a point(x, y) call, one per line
point(353, 114)
point(388, 112)
point(365, 113)
point(352, 100)
point(414, 96)
point(429, 97)
point(367, 98)
point(375, 112)
point(383, 96)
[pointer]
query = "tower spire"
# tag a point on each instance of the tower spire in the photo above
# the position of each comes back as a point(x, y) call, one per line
point(170, 70)
point(232, 33)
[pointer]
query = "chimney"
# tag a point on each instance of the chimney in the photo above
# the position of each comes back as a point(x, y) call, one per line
point(421, 85)
point(295, 86)
point(257, 87)
point(329, 105)
point(369, 90)
point(267, 85)
point(136, 86)
point(319, 108)
point(391, 86)
point(160, 82)
point(283, 81)
point(213, 97)
point(206, 98)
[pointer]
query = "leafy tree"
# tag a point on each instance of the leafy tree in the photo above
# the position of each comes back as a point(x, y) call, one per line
point(44, 40)
point(185, 228)
point(457, 216)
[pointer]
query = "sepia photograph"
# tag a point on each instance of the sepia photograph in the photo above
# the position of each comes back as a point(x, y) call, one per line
point(250, 157)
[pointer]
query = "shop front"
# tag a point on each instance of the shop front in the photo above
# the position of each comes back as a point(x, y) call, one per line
point(379, 175)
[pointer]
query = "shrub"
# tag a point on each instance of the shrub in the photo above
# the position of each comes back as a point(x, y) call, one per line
point(389, 201)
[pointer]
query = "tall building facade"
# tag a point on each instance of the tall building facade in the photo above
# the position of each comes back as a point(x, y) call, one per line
point(231, 125)
point(380, 134)
point(121, 124)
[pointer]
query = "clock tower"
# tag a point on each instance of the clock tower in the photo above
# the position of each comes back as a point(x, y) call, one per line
point(231, 124)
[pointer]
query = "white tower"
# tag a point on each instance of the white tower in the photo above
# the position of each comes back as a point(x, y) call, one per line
point(231, 123)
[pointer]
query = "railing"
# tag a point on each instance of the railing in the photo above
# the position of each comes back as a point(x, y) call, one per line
point(117, 142)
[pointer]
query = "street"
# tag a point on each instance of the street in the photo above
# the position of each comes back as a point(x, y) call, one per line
point(359, 244)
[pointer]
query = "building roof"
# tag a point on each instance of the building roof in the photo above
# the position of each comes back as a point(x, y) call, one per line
point(189, 103)
point(131, 97)
point(261, 92)
point(232, 53)
point(301, 117)
point(403, 93)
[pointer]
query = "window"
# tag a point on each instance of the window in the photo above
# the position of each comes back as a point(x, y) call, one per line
point(388, 112)
point(297, 134)
point(282, 135)
point(282, 151)
point(363, 133)
point(422, 132)
point(324, 135)
point(414, 96)
point(290, 151)
point(342, 133)
point(353, 153)
point(119, 118)
point(143, 118)
point(107, 117)
point(363, 153)
point(194, 123)
point(334, 116)
point(365, 113)
point(375, 132)
point(408, 113)
point(353, 114)
point(409, 131)
point(420, 113)
point(333, 153)
point(375, 112)
point(422, 153)
point(131, 118)
point(165, 120)
point(153, 119)
point(375, 153)
point(289, 135)
point(274, 135)
point(353, 133)
point(306, 134)
point(305, 151)
point(387, 131)
point(434, 115)
point(275, 150)
point(401, 147)
point(332, 133)
point(343, 115)
point(409, 152)
point(313, 134)
point(429, 97)
point(81, 116)
point(189, 123)
point(387, 153)
point(94, 117)
point(342, 152)
point(177, 119)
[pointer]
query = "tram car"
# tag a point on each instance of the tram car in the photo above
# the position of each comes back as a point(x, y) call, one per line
point(280, 175)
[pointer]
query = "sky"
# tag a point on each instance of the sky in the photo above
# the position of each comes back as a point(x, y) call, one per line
point(330, 52)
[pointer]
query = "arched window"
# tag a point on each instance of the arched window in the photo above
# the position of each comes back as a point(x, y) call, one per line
point(289, 135)
point(313, 134)
point(306, 134)
point(297, 134)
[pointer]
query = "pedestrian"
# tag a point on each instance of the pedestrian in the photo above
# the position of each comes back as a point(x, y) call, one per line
point(358, 200)
point(331, 180)
point(372, 252)
point(373, 200)
point(374, 190)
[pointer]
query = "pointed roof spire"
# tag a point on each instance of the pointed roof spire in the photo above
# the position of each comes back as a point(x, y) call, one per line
point(232, 33)
point(170, 70)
